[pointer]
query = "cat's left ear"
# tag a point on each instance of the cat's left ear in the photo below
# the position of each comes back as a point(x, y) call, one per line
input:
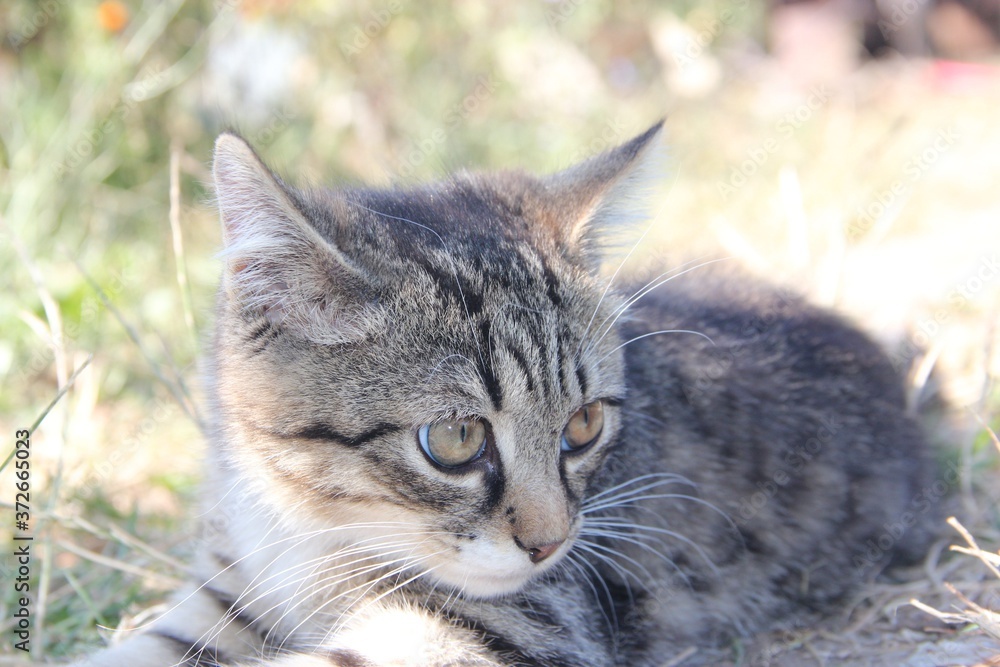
point(277, 263)
point(596, 199)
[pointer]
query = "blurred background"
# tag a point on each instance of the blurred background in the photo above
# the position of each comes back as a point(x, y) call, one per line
point(848, 148)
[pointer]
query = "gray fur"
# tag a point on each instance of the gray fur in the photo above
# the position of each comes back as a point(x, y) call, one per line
point(745, 463)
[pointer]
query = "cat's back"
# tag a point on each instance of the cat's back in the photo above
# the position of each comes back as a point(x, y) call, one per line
point(758, 335)
point(807, 476)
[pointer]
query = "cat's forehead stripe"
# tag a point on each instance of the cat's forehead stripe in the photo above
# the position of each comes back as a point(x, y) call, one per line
point(522, 363)
point(559, 356)
point(522, 352)
point(581, 379)
point(486, 367)
point(448, 283)
point(543, 352)
point(551, 284)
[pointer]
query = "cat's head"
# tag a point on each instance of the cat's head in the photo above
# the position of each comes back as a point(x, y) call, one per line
point(433, 370)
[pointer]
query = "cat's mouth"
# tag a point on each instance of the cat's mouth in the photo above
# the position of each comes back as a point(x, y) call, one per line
point(483, 568)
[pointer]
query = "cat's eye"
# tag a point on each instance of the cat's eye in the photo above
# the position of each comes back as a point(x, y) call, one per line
point(453, 442)
point(584, 427)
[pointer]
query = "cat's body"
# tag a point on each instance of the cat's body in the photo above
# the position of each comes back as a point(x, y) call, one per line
point(439, 439)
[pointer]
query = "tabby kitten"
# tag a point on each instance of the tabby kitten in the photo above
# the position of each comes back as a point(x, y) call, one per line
point(442, 437)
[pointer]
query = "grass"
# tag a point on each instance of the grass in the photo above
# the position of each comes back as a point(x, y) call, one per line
point(873, 192)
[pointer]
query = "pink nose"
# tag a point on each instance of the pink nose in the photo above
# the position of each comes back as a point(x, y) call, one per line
point(539, 553)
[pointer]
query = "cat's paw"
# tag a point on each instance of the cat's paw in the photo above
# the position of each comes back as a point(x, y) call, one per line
point(401, 636)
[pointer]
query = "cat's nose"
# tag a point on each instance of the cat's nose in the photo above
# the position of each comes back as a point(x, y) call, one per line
point(538, 553)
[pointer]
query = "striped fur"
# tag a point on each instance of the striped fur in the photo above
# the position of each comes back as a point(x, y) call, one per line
point(751, 447)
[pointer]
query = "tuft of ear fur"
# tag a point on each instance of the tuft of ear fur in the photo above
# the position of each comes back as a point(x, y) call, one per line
point(277, 263)
point(599, 196)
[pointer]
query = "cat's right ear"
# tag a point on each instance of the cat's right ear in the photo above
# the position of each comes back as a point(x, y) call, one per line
point(277, 264)
point(595, 200)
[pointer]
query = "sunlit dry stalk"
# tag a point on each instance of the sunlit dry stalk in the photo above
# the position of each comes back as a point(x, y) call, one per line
point(178, 239)
point(985, 619)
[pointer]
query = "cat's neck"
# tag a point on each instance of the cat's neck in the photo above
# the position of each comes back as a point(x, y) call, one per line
point(297, 578)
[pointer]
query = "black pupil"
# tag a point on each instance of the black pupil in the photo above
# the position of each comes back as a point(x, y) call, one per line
point(462, 433)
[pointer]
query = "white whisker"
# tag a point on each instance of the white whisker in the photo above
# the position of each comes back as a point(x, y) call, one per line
point(653, 284)
point(595, 549)
point(613, 621)
point(441, 363)
point(663, 479)
point(368, 586)
point(610, 533)
point(654, 333)
point(287, 577)
point(316, 562)
point(325, 585)
point(611, 281)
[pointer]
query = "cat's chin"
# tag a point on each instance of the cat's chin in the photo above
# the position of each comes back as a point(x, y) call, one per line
point(489, 577)
point(486, 586)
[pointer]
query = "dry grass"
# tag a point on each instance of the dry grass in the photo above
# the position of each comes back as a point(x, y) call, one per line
point(112, 278)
